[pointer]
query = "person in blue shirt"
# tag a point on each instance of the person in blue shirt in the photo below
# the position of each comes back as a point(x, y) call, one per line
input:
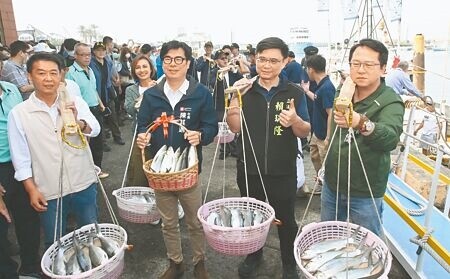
point(400, 82)
point(322, 98)
point(13, 195)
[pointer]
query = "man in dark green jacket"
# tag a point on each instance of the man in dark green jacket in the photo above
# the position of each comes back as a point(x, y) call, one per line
point(377, 121)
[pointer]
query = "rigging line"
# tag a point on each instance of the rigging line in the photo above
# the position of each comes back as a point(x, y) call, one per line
point(429, 71)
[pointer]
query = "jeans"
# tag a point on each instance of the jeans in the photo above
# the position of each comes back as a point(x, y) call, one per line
point(281, 194)
point(26, 224)
point(190, 200)
point(362, 210)
point(82, 205)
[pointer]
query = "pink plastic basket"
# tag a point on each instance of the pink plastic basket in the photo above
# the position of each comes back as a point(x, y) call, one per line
point(317, 232)
point(236, 241)
point(133, 211)
point(112, 269)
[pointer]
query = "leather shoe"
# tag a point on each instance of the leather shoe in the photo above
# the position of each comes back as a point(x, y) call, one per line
point(174, 271)
point(119, 141)
point(200, 270)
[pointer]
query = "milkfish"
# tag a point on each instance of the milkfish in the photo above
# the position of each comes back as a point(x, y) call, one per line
point(83, 260)
point(181, 160)
point(329, 245)
point(248, 217)
point(341, 263)
point(98, 255)
point(73, 267)
point(58, 265)
point(237, 220)
point(192, 156)
point(175, 160)
point(158, 159)
point(110, 246)
point(258, 217)
point(371, 271)
point(149, 198)
point(225, 216)
point(213, 219)
point(167, 162)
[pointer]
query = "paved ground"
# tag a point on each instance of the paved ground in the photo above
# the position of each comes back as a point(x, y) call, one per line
point(148, 260)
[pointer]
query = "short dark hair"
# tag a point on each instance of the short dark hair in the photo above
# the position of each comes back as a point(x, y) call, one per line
point(383, 52)
point(18, 46)
point(133, 66)
point(273, 42)
point(107, 39)
point(174, 44)
point(43, 56)
point(145, 48)
point(316, 62)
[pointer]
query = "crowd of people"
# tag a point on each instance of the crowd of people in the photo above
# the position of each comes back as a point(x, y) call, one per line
point(283, 101)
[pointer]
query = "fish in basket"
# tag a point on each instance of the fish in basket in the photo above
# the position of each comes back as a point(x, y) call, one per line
point(335, 249)
point(93, 251)
point(236, 226)
point(137, 204)
point(171, 170)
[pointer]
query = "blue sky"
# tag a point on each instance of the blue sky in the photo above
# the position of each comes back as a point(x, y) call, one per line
point(224, 21)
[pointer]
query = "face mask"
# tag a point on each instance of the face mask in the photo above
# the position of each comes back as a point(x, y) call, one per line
point(115, 56)
point(127, 55)
point(71, 53)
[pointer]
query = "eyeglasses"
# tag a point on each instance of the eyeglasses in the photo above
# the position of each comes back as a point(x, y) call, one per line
point(178, 60)
point(224, 58)
point(263, 60)
point(366, 65)
point(83, 54)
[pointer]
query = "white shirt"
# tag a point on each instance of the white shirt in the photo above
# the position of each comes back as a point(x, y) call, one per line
point(73, 88)
point(20, 153)
point(142, 89)
point(430, 125)
point(174, 96)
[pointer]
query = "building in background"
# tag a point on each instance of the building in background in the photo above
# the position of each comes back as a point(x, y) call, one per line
point(8, 30)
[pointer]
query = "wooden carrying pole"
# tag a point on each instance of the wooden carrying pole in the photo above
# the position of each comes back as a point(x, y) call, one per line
point(419, 63)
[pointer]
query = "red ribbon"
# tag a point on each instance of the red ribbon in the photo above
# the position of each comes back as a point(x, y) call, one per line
point(163, 120)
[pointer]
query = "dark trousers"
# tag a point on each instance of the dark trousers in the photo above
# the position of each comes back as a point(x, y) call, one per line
point(26, 223)
point(111, 121)
point(281, 194)
point(96, 143)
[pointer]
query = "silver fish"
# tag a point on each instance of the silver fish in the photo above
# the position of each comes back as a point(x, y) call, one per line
point(329, 245)
point(138, 198)
point(258, 217)
point(84, 261)
point(167, 162)
point(58, 265)
point(110, 246)
point(315, 263)
point(181, 160)
point(98, 255)
point(73, 267)
point(158, 159)
point(148, 198)
point(192, 156)
point(367, 272)
point(248, 217)
point(225, 216)
point(175, 160)
point(237, 221)
point(213, 219)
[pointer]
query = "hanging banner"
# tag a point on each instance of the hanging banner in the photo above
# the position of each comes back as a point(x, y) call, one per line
point(395, 10)
point(350, 10)
point(323, 5)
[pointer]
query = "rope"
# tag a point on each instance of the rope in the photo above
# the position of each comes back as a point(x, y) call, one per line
point(129, 156)
point(413, 212)
point(422, 243)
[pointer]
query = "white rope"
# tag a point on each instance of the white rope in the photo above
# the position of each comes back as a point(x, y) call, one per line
point(413, 212)
point(129, 156)
point(423, 245)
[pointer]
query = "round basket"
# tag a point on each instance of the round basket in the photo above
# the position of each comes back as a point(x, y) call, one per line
point(236, 241)
point(224, 135)
point(112, 269)
point(317, 232)
point(135, 211)
point(172, 181)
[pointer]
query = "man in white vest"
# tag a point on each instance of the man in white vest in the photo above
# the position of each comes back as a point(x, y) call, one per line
point(51, 163)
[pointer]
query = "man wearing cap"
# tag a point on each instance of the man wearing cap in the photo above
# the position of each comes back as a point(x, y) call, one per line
point(14, 71)
point(103, 70)
point(223, 76)
point(400, 82)
point(239, 59)
point(42, 47)
point(205, 64)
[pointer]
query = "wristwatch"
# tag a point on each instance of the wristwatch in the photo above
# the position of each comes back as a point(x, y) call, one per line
point(365, 125)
